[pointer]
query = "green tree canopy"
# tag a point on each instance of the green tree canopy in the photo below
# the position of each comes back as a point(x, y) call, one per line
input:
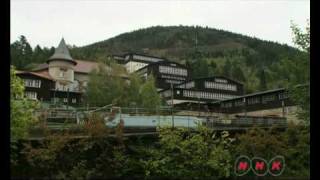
point(21, 53)
point(21, 114)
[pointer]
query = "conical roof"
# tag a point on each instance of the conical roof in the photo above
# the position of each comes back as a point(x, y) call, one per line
point(62, 53)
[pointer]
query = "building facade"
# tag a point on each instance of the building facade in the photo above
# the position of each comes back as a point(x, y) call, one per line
point(166, 73)
point(60, 80)
point(133, 61)
point(203, 90)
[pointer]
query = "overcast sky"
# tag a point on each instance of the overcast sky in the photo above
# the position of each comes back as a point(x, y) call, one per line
point(84, 22)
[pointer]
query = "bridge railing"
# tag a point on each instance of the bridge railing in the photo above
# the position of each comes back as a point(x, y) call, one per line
point(77, 116)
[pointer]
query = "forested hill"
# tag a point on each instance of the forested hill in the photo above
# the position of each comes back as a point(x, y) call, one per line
point(179, 43)
point(259, 64)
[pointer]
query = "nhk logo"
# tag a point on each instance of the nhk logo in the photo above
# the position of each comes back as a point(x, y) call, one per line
point(259, 166)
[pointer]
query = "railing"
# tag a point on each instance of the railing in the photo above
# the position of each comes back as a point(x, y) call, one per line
point(248, 121)
point(142, 117)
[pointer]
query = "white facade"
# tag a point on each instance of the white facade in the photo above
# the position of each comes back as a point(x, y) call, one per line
point(133, 66)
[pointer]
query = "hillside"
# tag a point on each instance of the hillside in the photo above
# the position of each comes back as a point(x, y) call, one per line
point(206, 50)
point(179, 42)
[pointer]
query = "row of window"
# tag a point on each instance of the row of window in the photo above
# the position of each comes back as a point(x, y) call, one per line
point(215, 85)
point(256, 100)
point(268, 98)
point(31, 95)
point(173, 77)
point(206, 95)
point(253, 100)
point(65, 100)
point(32, 83)
point(188, 85)
point(172, 70)
point(283, 95)
point(221, 80)
point(170, 81)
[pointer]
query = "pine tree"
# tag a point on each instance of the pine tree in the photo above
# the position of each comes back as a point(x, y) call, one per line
point(21, 53)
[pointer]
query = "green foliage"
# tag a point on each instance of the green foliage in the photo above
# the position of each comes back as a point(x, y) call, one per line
point(178, 153)
point(134, 90)
point(301, 95)
point(302, 40)
point(149, 95)
point(106, 86)
point(293, 144)
point(21, 114)
point(21, 53)
point(182, 153)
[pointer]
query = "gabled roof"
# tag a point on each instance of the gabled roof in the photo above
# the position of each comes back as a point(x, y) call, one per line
point(81, 66)
point(42, 74)
point(61, 53)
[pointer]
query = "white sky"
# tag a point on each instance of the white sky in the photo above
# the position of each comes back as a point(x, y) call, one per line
point(84, 22)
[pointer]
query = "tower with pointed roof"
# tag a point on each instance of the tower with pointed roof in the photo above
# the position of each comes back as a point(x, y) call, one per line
point(61, 64)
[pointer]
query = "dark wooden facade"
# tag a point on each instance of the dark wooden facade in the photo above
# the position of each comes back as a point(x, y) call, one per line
point(271, 99)
point(47, 93)
point(252, 102)
point(44, 92)
point(166, 73)
point(204, 90)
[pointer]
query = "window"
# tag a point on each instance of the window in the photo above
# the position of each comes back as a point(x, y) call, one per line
point(31, 95)
point(268, 98)
point(239, 102)
point(172, 70)
point(62, 72)
point(173, 81)
point(215, 85)
point(32, 83)
point(74, 100)
point(227, 105)
point(253, 100)
point(283, 95)
point(65, 100)
point(221, 80)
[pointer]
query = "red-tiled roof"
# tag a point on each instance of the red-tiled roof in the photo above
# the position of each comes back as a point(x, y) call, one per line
point(43, 74)
point(85, 66)
point(81, 67)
